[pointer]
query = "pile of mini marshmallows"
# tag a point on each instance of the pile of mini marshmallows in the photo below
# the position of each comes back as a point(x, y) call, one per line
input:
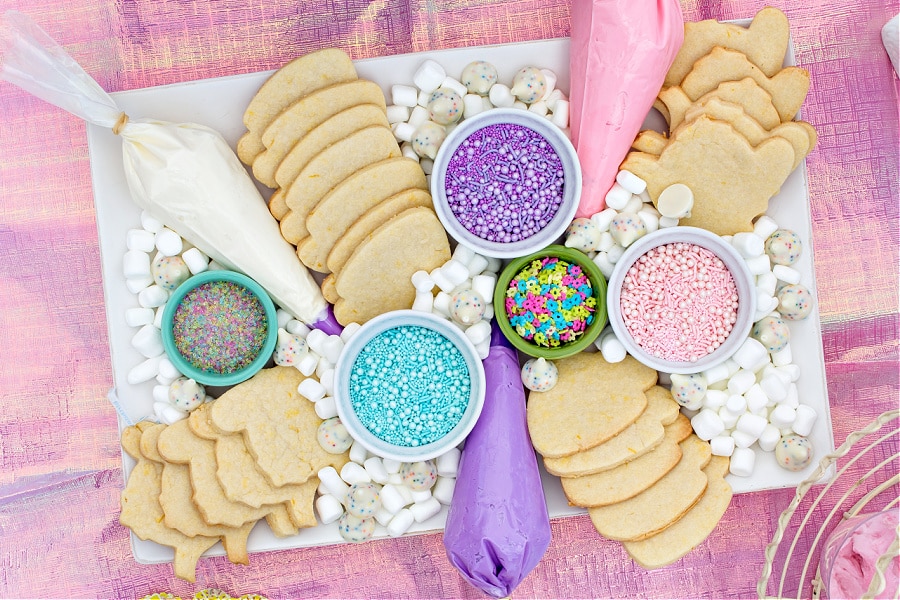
point(461, 291)
point(751, 398)
point(421, 115)
point(370, 490)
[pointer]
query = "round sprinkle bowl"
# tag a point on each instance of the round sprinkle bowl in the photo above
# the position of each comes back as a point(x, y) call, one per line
point(506, 183)
point(556, 293)
point(409, 386)
point(219, 328)
point(681, 300)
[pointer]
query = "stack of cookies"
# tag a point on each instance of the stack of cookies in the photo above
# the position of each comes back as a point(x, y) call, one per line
point(252, 454)
point(344, 194)
point(729, 104)
point(624, 451)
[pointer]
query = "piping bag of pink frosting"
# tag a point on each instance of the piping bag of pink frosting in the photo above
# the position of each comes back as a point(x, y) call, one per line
point(619, 54)
point(498, 528)
point(185, 175)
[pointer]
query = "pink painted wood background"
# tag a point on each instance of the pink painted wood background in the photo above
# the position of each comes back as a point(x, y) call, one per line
point(60, 467)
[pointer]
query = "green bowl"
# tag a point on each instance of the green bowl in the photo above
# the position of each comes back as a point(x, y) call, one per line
point(207, 377)
point(598, 285)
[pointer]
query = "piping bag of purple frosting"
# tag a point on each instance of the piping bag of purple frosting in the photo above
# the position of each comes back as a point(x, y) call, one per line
point(619, 54)
point(183, 174)
point(497, 527)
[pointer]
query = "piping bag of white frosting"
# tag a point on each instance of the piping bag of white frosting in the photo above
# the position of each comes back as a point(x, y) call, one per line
point(498, 527)
point(619, 54)
point(185, 175)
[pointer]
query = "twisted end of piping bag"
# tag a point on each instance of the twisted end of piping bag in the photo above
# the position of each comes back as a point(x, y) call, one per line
point(327, 322)
point(498, 528)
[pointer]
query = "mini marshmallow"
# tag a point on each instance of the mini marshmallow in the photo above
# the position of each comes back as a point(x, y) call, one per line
point(168, 370)
point(716, 374)
point(722, 445)
point(349, 330)
point(423, 302)
point(790, 371)
point(766, 283)
point(391, 465)
point(375, 468)
point(483, 349)
point(765, 226)
point(633, 205)
point(422, 281)
point(793, 396)
point(397, 114)
point(423, 98)
point(196, 261)
point(782, 416)
point(168, 242)
point(751, 355)
point(741, 381)
point(328, 508)
point(333, 483)
point(454, 85)
point(479, 332)
point(404, 95)
point(707, 424)
point(756, 398)
point(455, 271)
point(140, 239)
point(478, 265)
point(144, 371)
point(665, 221)
point(353, 472)
point(441, 280)
point(150, 223)
point(768, 439)
point(741, 439)
point(441, 304)
point(322, 366)
point(650, 220)
point(500, 96)
point(429, 76)
point(417, 116)
point(308, 364)
point(751, 424)
point(358, 454)
point(631, 182)
point(157, 317)
point(316, 340)
point(427, 165)
point(742, 462)
point(604, 218)
point(715, 399)
point(786, 274)
point(484, 285)
point(612, 349)
point(137, 284)
point(443, 490)
point(401, 523)
point(327, 381)
point(311, 389)
point(519, 105)
point(161, 393)
point(326, 407)
point(783, 357)
point(403, 132)
point(617, 197)
point(332, 348)
point(736, 403)
point(168, 414)
point(138, 316)
point(552, 96)
point(748, 244)
point(152, 296)
point(604, 264)
point(420, 495)
point(759, 265)
point(728, 417)
point(806, 417)
point(136, 264)
point(296, 327)
point(774, 387)
point(405, 493)
point(448, 463)
point(408, 151)
point(560, 116)
point(422, 511)
point(472, 105)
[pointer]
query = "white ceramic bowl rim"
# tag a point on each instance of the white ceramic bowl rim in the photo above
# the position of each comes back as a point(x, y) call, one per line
point(571, 189)
point(743, 279)
point(367, 333)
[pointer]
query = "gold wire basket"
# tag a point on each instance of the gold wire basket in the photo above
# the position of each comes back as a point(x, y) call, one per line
point(868, 480)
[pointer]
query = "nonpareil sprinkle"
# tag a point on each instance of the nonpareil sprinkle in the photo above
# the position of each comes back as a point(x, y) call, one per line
point(550, 302)
point(504, 183)
point(409, 386)
point(679, 302)
point(219, 327)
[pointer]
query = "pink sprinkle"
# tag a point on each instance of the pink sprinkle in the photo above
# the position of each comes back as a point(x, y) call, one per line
point(679, 302)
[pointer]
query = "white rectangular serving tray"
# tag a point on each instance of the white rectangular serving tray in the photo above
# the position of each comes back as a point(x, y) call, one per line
point(219, 103)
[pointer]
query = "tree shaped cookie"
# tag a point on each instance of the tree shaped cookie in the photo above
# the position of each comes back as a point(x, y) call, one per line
point(143, 514)
point(278, 424)
point(765, 42)
point(180, 511)
point(593, 401)
point(638, 438)
point(732, 181)
point(660, 505)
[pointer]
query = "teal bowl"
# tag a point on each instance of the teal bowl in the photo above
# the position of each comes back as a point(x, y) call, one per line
point(225, 376)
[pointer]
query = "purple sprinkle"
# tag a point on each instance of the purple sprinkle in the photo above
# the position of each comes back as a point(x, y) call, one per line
point(504, 183)
point(219, 327)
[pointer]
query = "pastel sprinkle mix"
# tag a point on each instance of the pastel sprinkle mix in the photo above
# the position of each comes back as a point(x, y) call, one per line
point(219, 327)
point(409, 386)
point(550, 302)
